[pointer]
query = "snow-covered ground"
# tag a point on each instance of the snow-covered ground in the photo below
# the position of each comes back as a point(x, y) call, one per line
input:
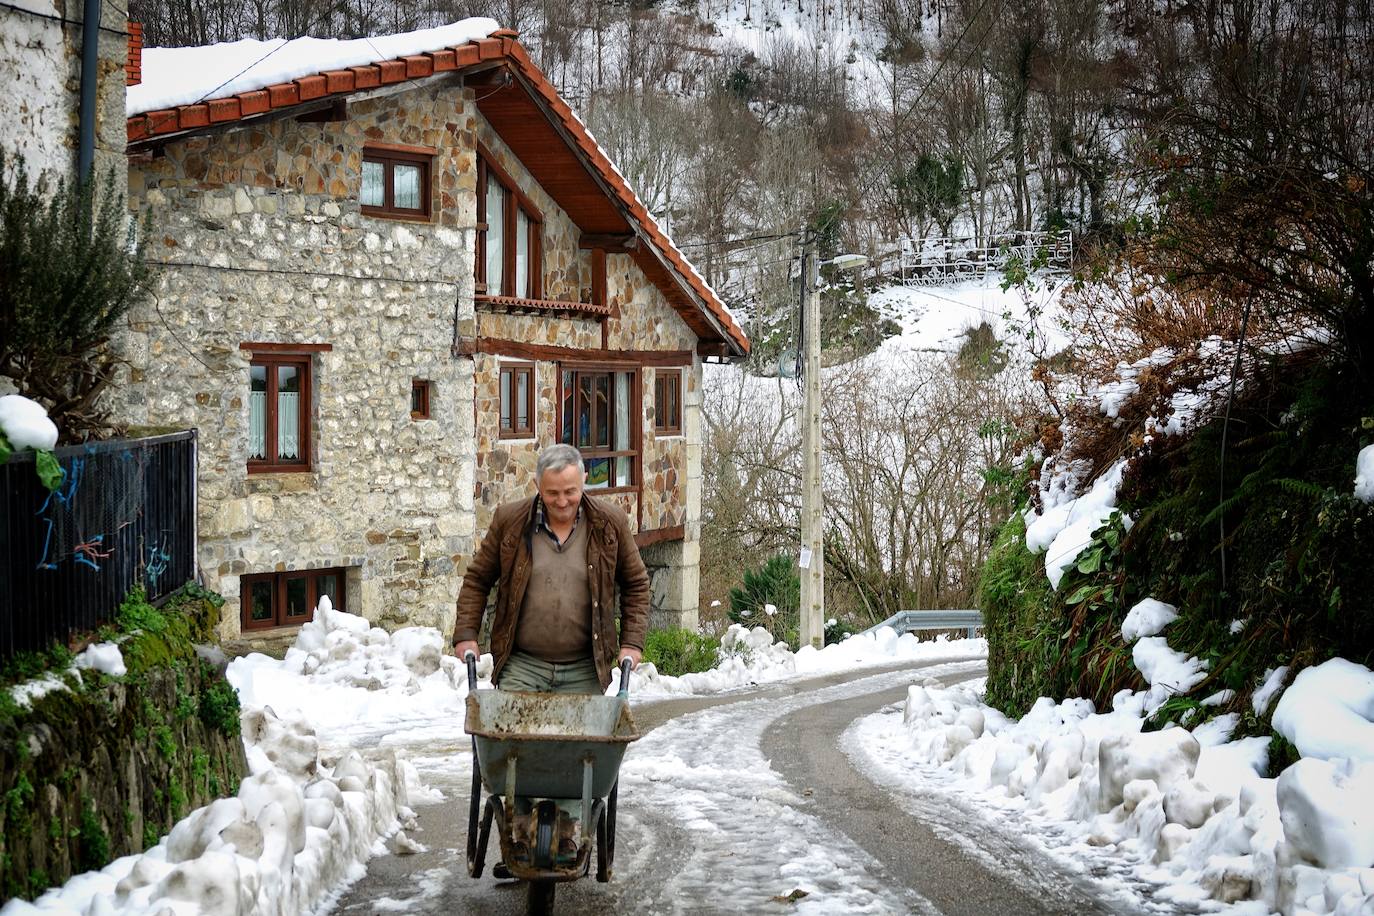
point(344, 735)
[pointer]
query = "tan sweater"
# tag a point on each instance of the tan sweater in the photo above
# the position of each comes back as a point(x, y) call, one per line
point(555, 621)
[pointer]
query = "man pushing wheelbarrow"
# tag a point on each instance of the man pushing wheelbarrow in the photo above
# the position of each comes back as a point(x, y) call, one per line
point(559, 560)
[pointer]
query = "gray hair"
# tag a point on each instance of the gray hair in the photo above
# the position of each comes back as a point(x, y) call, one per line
point(556, 458)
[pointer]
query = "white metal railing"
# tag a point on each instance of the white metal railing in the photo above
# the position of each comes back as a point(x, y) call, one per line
point(949, 259)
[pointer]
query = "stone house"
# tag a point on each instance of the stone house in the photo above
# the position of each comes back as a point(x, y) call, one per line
point(391, 272)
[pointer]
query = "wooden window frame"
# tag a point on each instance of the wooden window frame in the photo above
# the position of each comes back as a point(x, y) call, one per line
point(421, 387)
point(515, 201)
point(389, 158)
point(516, 432)
point(636, 418)
point(668, 386)
point(270, 360)
point(279, 580)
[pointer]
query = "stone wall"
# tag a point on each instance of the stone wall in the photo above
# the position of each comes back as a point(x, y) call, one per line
point(40, 65)
point(105, 769)
point(264, 241)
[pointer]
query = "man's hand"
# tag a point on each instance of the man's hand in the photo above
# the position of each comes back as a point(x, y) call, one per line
point(633, 654)
point(469, 645)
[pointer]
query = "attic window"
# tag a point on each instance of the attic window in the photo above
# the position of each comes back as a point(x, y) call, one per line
point(509, 235)
point(395, 183)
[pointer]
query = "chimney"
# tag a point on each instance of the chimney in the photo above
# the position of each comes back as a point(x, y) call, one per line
point(133, 67)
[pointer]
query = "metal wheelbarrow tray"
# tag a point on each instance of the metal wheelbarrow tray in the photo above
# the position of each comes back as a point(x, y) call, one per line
point(545, 746)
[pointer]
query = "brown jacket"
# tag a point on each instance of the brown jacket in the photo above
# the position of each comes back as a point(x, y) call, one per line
point(504, 557)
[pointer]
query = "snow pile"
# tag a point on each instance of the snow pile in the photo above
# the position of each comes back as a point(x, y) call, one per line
point(25, 424)
point(751, 656)
point(183, 76)
point(1328, 712)
point(1114, 394)
point(1066, 525)
point(104, 657)
point(1364, 475)
point(313, 809)
point(1167, 671)
point(1192, 814)
point(1148, 618)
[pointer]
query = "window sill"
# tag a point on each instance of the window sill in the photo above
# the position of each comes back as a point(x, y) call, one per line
point(404, 217)
point(280, 469)
point(609, 491)
point(516, 306)
point(270, 632)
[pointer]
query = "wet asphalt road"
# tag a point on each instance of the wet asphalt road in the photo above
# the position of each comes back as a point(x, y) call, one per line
point(915, 851)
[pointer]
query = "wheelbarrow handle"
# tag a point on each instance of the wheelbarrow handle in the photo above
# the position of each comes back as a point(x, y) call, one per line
point(471, 658)
point(624, 691)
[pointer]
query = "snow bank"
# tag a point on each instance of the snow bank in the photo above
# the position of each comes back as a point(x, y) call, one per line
point(1364, 474)
point(313, 809)
point(182, 76)
point(751, 656)
point(1168, 671)
point(1328, 712)
point(1191, 816)
point(25, 423)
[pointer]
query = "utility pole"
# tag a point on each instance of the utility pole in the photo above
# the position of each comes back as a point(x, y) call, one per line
point(812, 558)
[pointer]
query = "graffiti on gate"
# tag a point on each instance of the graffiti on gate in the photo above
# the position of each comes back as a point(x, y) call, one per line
point(81, 522)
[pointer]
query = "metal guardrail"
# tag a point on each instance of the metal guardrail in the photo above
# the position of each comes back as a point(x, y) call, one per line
point(909, 621)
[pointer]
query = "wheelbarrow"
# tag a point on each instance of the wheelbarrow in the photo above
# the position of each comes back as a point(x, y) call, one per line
point(530, 750)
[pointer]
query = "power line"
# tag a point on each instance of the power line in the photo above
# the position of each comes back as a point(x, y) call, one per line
point(62, 19)
point(311, 273)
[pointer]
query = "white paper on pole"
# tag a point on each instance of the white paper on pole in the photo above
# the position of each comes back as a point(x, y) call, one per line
point(804, 561)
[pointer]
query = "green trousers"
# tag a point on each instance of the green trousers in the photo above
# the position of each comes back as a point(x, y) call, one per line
point(525, 672)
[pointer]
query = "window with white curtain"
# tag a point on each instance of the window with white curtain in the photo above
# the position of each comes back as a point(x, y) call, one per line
point(278, 412)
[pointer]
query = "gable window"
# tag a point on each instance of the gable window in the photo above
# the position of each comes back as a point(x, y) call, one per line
point(419, 399)
point(599, 408)
point(517, 401)
point(288, 599)
point(396, 183)
point(509, 236)
point(668, 402)
point(279, 413)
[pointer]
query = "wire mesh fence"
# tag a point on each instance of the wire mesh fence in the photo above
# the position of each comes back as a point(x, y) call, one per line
point(124, 515)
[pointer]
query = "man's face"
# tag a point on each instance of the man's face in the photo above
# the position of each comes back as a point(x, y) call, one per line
point(561, 491)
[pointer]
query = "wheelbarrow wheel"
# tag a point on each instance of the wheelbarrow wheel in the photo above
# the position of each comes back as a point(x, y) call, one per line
point(541, 898)
point(547, 815)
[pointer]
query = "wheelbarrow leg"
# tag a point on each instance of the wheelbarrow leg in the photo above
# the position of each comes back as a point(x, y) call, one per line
point(478, 857)
point(474, 806)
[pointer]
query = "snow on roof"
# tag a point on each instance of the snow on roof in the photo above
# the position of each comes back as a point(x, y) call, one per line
point(184, 76)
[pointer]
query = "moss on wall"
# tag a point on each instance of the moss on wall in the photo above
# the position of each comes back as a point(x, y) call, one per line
point(1296, 545)
point(103, 769)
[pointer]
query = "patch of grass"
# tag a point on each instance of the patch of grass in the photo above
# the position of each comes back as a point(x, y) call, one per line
point(680, 651)
point(164, 742)
point(219, 707)
point(95, 842)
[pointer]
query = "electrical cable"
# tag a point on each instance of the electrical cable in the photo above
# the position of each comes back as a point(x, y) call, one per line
point(313, 273)
point(54, 18)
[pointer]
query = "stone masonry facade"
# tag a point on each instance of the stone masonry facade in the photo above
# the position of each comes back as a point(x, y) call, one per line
point(40, 62)
point(262, 240)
